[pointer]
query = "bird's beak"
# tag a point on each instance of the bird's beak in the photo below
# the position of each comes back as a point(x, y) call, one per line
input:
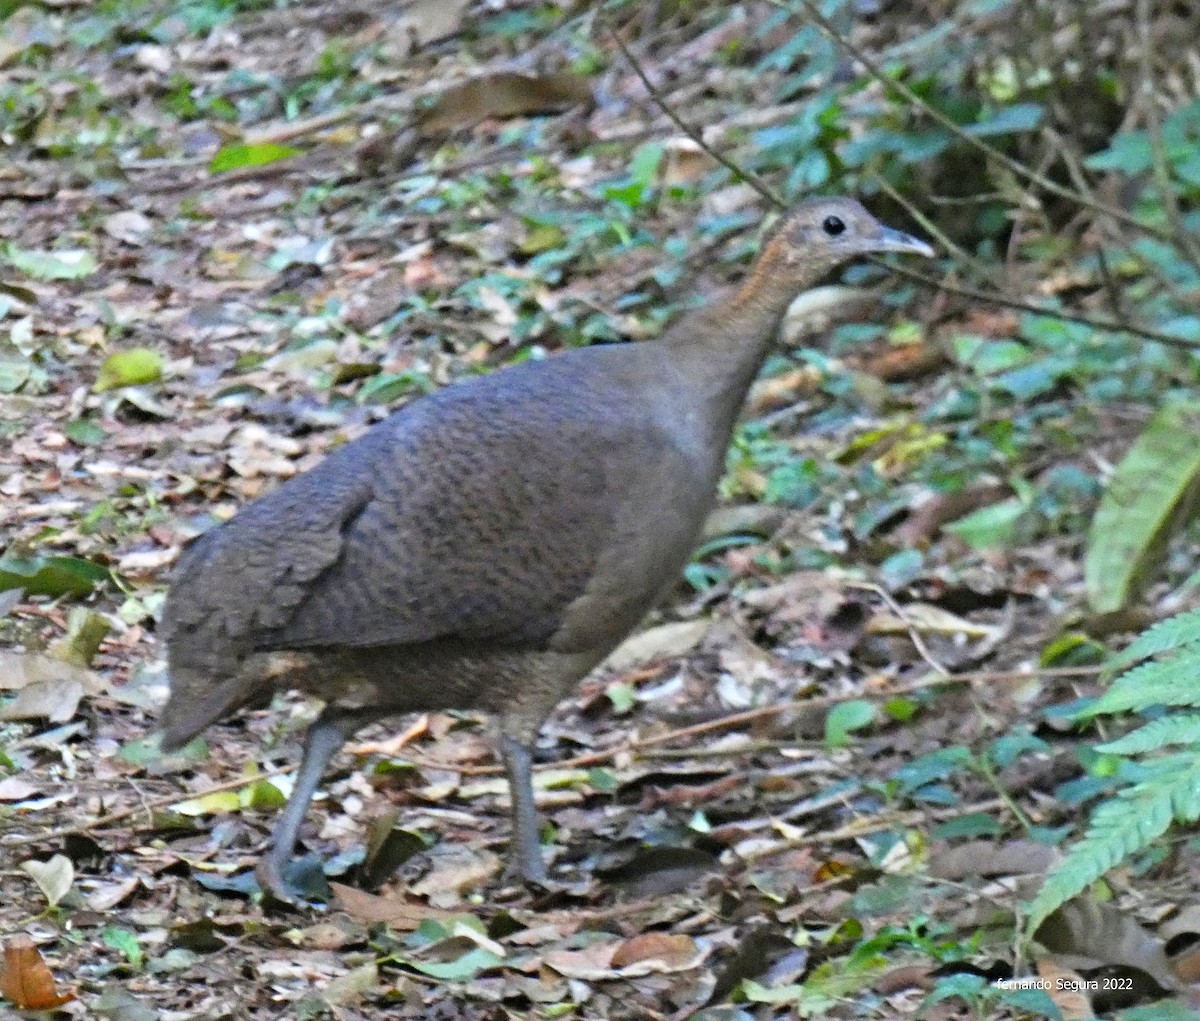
point(889, 240)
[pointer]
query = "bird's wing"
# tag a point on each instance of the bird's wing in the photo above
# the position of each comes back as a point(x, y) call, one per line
point(479, 514)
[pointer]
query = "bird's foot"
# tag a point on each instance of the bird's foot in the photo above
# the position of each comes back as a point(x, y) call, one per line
point(296, 884)
point(533, 875)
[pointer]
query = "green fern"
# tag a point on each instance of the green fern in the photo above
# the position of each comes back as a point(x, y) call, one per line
point(1170, 730)
point(1172, 633)
point(1159, 682)
point(1128, 823)
point(1167, 788)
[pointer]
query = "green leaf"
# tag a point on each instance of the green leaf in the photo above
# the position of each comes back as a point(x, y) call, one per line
point(846, 718)
point(1150, 495)
point(622, 695)
point(72, 264)
point(1173, 633)
point(1171, 681)
point(124, 941)
point(1019, 117)
point(13, 375)
point(85, 432)
point(129, 368)
point(262, 795)
point(602, 779)
point(240, 154)
point(50, 576)
point(216, 803)
point(643, 168)
point(1130, 152)
point(1170, 730)
point(1120, 827)
point(989, 526)
point(466, 967)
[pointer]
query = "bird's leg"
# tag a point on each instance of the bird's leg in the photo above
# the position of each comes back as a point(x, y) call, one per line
point(526, 842)
point(327, 734)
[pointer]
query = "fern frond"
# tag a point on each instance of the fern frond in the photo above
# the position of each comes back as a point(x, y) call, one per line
point(1174, 681)
point(1161, 733)
point(1123, 826)
point(1173, 633)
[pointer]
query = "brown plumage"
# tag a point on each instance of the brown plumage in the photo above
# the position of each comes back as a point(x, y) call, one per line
point(486, 547)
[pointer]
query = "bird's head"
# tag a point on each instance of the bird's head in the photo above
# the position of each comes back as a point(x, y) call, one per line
point(819, 234)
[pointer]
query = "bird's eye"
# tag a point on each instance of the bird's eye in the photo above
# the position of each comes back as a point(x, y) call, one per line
point(833, 225)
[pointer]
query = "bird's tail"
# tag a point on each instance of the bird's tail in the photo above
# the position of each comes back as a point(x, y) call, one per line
point(196, 702)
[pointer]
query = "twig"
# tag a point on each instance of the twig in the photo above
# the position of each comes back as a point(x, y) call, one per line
point(942, 679)
point(864, 827)
point(934, 231)
point(830, 30)
point(1182, 238)
point(913, 634)
point(146, 806)
point(739, 173)
point(1004, 301)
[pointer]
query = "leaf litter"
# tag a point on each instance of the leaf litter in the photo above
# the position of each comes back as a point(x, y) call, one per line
point(215, 317)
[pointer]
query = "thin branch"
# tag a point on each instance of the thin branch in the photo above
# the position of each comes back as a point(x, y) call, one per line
point(1182, 238)
point(876, 824)
point(934, 231)
point(913, 634)
point(739, 173)
point(1003, 301)
point(830, 30)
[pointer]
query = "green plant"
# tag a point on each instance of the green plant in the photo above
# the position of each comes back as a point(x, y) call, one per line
point(1158, 764)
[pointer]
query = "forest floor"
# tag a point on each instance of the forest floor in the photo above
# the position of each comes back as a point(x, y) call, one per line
point(820, 780)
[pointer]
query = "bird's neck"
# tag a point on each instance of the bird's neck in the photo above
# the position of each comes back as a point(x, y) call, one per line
point(720, 348)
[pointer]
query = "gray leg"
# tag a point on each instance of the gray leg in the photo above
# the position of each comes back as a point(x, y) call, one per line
point(526, 845)
point(327, 734)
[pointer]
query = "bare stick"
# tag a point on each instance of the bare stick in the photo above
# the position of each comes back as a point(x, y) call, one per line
point(738, 172)
point(830, 30)
point(1158, 152)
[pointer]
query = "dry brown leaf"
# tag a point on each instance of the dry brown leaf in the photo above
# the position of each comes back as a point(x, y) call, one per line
point(666, 640)
point(1087, 933)
point(988, 858)
point(55, 700)
point(400, 913)
point(592, 962)
point(908, 361)
point(503, 94)
point(462, 870)
point(669, 951)
point(1066, 989)
point(25, 980)
point(426, 21)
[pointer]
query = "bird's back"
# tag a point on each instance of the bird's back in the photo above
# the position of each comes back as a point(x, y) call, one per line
point(510, 510)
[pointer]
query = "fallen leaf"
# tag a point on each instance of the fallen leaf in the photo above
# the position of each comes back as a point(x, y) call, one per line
point(54, 699)
point(1066, 988)
point(351, 987)
point(25, 981)
point(128, 226)
point(667, 951)
point(1103, 934)
point(401, 914)
point(664, 641)
point(13, 788)
point(53, 877)
point(503, 94)
point(426, 21)
point(129, 368)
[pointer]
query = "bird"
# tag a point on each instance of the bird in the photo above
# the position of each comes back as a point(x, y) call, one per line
point(486, 547)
